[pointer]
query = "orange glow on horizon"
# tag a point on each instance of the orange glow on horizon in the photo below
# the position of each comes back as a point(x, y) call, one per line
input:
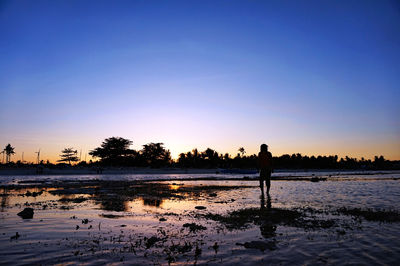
point(53, 157)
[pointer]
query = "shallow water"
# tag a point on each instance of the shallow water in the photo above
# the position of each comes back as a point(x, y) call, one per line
point(279, 174)
point(120, 224)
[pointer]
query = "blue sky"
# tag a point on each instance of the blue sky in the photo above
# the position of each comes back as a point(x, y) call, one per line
point(315, 77)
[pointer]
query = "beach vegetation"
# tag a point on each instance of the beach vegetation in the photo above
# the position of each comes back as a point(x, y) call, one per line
point(116, 152)
point(113, 151)
point(242, 151)
point(8, 151)
point(155, 155)
point(68, 155)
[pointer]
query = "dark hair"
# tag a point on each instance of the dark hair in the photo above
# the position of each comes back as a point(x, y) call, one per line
point(264, 147)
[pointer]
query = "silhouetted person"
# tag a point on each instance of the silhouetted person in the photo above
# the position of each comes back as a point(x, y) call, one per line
point(265, 165)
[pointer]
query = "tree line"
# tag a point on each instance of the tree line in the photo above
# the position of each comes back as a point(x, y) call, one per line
point(115, 151)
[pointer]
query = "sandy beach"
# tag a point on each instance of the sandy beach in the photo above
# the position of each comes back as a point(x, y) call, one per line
point(200, 222)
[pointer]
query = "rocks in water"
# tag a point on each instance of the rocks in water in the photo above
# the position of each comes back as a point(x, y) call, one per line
point(260, 245)
point(85, 221)
point(27, 213)
point(194, 227)
point(200, 207)
point(15, 237)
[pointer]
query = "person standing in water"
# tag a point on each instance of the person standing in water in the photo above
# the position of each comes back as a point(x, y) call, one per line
point(265, 165)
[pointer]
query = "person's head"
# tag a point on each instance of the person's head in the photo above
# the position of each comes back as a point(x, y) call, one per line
point(264, 148)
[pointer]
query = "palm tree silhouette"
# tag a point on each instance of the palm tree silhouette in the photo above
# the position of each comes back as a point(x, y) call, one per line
point(242, 151)
point(9, 150)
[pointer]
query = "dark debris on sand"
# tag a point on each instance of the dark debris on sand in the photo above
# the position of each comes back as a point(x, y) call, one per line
point(241, 219)
point(73, 200)
point(260, 245)
point(371, 215)
point(267, 219)
point(194, 227)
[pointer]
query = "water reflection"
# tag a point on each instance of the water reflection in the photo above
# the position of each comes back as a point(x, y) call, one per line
point(174, 187)
point(112, 195)
point(262, 201)
point(267, 227)
point(4, 200)
point(112, 202)
point(152, 202)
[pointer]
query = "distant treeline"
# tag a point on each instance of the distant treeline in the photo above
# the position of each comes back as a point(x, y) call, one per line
point(115, 152)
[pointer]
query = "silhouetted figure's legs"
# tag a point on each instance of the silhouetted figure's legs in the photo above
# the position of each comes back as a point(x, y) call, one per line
point(268, 184)
point(262, 201)
point(269, 202)
point(263, 177)
point(262, 186)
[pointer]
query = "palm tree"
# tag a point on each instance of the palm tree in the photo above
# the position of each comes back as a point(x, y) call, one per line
point(242, 151)
point(9, 150)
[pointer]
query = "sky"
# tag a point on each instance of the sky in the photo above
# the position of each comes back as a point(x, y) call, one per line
point(309, 77)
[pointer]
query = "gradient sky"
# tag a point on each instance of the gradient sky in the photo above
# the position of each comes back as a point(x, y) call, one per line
point(314, 77)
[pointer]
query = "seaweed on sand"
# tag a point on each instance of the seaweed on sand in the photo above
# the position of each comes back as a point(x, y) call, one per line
point(194, 227)
point(269, 218)
point(241, 219)
point(110, 216)
point(74, 200)
point(372, 215)
point(149, 242)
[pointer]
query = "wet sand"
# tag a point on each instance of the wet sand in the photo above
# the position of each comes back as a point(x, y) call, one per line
point(201, 222)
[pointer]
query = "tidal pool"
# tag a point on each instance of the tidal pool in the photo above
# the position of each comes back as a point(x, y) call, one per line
point(343, 221)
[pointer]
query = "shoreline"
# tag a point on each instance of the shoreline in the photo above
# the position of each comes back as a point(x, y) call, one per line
point(33, 171)
point(104, 171)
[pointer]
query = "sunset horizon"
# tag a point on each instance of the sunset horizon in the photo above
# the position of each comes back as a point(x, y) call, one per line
point(52, 154)
point(199, 132)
